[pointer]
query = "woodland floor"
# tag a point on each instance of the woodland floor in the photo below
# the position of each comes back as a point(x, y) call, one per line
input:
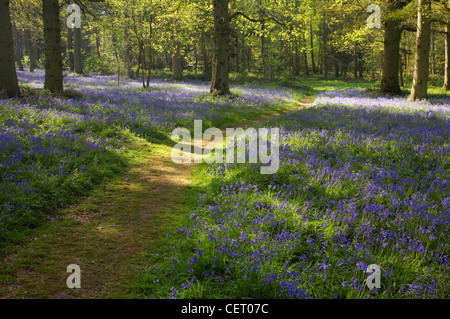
point(110, 233)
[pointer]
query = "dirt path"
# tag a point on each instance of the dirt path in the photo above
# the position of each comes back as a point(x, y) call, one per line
point(109, 234)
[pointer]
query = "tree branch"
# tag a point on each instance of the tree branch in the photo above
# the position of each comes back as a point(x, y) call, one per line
point(234, 15)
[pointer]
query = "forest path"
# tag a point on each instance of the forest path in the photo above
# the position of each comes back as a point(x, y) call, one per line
point(109, 234)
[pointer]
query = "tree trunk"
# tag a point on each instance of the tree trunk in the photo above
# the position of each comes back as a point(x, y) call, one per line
point(402, 82)
point(433, 56)
point(9, 86)
point(31, 50)
point(249, 59)
point(336, 66)
point(77, 58)
point(150, 52)
point(18, 47)
point(263, 53)
point(206, 60)
point(447, 56)
point(305, 55)
point(196, 59)
point(142, 58)
point(221, 51)
point(177, 62)
point(313, 63)
point(320, 60)
point(422, 57)
point(52, 39)
point(70, 49)
point(296, 58)
point(325, 51)
point(150, 61)
point(391, 58)
point(129, 54)
point(447, 59)
point(97, 43)
point(237, 52)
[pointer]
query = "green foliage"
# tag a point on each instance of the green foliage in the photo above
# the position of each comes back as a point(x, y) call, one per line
point(96, 65)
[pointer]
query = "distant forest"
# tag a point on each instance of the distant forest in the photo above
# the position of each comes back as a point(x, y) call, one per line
point(401, 44)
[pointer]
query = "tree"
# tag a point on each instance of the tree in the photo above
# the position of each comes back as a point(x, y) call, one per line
point(447, 60)
point(9, 86)
point(77, 58)
point(53, 50)
point(391, 58)
point(422, 57)
point(220, 82)
point(447, 56)
point(221, 44)
point(70, 56)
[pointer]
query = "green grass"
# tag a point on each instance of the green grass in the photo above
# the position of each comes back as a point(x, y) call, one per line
point(113, 203)
point(95, 223)
point(171, 267)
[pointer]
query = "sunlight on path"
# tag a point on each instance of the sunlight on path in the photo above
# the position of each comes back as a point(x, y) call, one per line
point(109, 234)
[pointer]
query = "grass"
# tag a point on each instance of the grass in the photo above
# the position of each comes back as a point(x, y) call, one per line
point(123, 258)
point(108, 227)
point(226, 248)
point(110, 234)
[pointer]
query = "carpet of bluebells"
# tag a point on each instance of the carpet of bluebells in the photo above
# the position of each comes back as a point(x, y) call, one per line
point(363, 180)
point(53, 149)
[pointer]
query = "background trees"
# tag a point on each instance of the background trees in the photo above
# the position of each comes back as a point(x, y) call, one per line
point(8, 77)
point(245, 39)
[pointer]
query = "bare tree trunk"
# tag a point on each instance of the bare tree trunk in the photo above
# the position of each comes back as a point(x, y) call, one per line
point(433, 56)
point(336, 67)
point(97, 43)
point(9, 86)
point(70, 49)
point(149, 71)
point(129, 54)
point(263, 53)
point(295, 58)
point(360, 64)
point(249, 59)
point(312, 47)
point(422, 59)
point(206, 64)
point(221, 53)
point(53, 49)
point(142, 55)
point(237, 52)
point(447, 59)
point(18, 47)
point(77, 58)
point(196, 59)
point(402, 83)
point(150, 52)
point(31, 50)
point(325, 51)
point(305, 55)
point(391, 58)
point(116, 54)
point(177, 62)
